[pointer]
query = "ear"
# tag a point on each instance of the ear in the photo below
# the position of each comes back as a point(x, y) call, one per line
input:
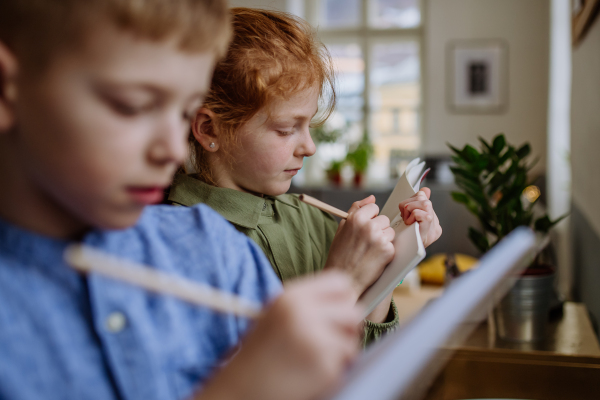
point(204, 129)
point(8, 87)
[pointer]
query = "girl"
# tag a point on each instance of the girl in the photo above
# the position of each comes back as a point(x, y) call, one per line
point(249, 140)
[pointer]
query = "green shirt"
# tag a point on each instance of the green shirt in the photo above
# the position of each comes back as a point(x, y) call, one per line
point(294, 236)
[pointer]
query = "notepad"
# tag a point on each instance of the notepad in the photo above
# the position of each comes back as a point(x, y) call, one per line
point(407, 242)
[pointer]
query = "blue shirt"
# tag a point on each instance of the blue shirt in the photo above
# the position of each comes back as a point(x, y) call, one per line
point(66, 336)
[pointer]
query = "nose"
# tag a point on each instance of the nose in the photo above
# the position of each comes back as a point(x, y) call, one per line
point(169, 145)
point(306, 147)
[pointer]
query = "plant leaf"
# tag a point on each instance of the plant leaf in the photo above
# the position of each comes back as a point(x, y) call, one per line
point(507, 154)
point(470, 154)
point(462, 163)
point(454, 149)
point(460, 197)
point(472, 189)
point(510, 196)
point(485, 144)
point(544, 224)
point(479, 240)
point(498, 144)
point(482, 162)
point(472, 176)
point(498, 180)
point(524, 151)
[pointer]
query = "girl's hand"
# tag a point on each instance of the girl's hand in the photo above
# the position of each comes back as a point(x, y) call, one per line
point(419, 208)
point(299, 349)
point(362, 245)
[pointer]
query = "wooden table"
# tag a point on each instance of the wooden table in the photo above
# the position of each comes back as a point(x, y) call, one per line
point(564, 366)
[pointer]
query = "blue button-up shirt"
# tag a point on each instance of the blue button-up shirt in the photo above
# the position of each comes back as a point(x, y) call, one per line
point(66, 336)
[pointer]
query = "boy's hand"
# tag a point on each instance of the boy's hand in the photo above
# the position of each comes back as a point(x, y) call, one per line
point(362, 245)
point(299, 348)
point(419, 208)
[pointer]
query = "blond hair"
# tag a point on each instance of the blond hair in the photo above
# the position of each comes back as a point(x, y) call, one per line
point(36, 29)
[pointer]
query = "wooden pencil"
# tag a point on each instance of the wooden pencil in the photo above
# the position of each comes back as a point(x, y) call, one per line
point(323, 206)
point(86, 260)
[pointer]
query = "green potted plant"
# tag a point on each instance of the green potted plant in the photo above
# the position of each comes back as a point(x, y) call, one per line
point(334, 172)
point(493, 181)
point(323, 136)
point(359, 158)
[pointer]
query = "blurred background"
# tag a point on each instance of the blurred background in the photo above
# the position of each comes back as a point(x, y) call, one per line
point(415, 75)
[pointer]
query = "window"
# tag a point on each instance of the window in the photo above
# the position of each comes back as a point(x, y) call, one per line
point(376, 49)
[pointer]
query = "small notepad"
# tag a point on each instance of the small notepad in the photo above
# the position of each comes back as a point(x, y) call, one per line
point(407, 242)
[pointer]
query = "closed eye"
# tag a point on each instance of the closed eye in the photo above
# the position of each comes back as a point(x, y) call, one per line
point(127, 102)
point(128, 110)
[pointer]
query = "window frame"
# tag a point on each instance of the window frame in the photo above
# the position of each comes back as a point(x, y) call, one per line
point(367, 37)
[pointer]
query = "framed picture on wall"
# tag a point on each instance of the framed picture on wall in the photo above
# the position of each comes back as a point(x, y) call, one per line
point(477, 76)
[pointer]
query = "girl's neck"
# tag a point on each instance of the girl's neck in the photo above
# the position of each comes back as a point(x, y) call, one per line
point(223, 182)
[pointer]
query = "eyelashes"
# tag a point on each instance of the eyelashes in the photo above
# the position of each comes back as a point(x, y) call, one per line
point(130, 110)
point(133, 101)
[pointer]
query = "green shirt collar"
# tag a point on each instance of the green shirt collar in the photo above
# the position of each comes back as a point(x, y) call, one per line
point(240, 208)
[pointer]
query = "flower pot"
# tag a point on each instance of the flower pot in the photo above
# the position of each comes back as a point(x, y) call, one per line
point(522, 315)
point(358, 178)
point(335, 178)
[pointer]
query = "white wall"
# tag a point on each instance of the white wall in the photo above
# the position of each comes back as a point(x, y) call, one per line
point(585, 127)
point(585, 164)
point(524, 26)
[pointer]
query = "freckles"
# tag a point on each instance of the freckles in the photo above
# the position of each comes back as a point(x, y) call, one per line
point(251, 163)
point(267, 163)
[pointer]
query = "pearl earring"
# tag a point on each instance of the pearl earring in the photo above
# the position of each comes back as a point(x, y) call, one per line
point(212, 145)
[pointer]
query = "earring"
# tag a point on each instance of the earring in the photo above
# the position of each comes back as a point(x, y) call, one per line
point(212, 145)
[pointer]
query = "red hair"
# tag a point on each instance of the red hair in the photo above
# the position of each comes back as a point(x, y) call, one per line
point(272, 55)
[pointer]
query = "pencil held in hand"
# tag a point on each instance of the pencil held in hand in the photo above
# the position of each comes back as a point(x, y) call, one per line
point(86, 260)
point(323, 206)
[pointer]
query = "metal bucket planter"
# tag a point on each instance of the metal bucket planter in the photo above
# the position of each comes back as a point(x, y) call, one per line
point(522, 315)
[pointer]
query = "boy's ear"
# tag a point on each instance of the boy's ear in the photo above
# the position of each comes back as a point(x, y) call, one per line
point(8, 87)
point(204, 130)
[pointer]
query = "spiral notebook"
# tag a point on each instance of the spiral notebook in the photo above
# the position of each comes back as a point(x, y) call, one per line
point(403, 364)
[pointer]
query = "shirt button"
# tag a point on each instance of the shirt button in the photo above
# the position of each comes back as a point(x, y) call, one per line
point(115, 322)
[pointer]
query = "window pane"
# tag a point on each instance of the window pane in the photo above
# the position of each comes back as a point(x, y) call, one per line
point(296, 7)
point(339, 13)
point(350, 81)
point(395, 101)
point(394, 13)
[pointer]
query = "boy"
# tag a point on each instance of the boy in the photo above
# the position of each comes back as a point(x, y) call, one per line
point(95, 101)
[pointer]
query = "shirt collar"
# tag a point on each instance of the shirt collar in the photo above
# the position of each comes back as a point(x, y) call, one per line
point(284, 199)
point(240, 208)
